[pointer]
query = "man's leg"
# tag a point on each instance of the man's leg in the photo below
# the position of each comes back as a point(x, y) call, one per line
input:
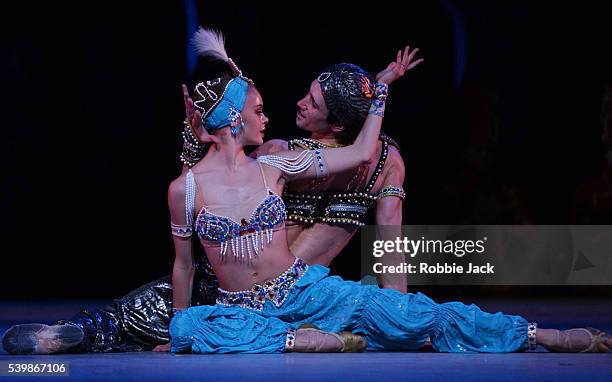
point(138, 321)
point(135, 322)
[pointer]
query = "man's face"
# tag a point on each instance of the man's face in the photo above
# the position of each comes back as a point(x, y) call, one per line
point(312, 112)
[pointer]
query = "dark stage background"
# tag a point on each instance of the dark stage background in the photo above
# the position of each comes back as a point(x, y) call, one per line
point(501, 125)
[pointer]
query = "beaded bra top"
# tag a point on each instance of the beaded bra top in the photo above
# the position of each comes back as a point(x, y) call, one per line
point(247, 237)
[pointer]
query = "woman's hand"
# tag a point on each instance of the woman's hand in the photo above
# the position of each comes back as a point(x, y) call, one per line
point(195, 120)
point(162, 348)
point(189, 107)
point(397, 68)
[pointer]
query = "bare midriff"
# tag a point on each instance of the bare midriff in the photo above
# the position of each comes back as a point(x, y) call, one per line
point(242, 274)
point(319, 243)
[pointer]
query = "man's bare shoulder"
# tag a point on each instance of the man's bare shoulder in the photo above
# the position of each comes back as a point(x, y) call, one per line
point(393, 171)
point(270, 147)
point(394, 159)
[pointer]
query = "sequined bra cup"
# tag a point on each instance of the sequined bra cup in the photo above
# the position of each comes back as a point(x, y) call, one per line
point(252, 233)
point(347, 207)
point(247, 237)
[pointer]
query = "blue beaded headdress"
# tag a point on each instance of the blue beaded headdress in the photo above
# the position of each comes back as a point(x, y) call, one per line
point(220, 100)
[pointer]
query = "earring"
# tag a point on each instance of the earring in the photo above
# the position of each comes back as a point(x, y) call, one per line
point(236, 129)
point(236, 122)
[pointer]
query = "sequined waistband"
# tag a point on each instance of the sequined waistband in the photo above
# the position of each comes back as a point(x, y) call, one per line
point(275, 290)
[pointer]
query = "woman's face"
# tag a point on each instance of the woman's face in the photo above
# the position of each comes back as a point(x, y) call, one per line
point(253, 118)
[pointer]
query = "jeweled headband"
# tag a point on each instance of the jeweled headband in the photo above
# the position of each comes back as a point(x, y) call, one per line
point(219, 100)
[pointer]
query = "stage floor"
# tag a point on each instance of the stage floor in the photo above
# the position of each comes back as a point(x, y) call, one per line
point(370, 366)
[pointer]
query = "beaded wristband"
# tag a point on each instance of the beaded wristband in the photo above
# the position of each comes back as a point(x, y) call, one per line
point(381, 91)
point(193, 150)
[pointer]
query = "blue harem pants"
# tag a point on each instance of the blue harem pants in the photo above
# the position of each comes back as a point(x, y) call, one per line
point(388, 319)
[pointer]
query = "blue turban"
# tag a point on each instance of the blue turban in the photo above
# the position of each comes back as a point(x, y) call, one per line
point(234, 98)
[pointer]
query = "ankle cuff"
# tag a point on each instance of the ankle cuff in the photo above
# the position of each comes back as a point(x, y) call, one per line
point(532, 327)
point(290, 340)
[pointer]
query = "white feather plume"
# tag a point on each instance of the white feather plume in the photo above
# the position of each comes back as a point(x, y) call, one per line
point(209, 42)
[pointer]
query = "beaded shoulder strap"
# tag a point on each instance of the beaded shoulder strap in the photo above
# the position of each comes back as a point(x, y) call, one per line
point(263, 176)
point(306, 144)
point(190, 189)
point(187, 229)
point(386, 138)
point(379, 166)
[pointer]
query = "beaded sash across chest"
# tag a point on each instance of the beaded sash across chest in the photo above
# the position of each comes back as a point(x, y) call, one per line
point(332, 207)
